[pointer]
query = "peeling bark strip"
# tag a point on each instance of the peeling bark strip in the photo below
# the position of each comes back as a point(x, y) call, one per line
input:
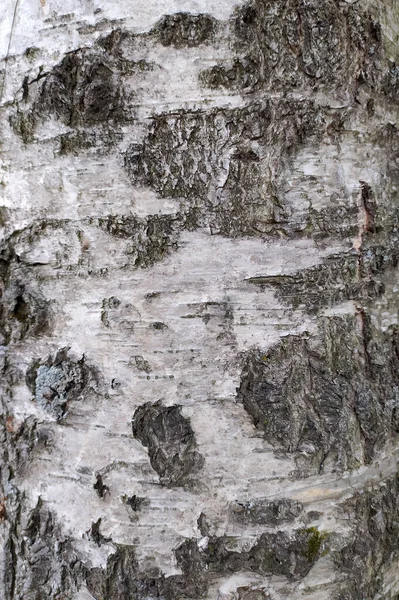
point(199, 347)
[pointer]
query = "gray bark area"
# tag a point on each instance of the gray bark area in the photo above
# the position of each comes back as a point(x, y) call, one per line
point(199, 300)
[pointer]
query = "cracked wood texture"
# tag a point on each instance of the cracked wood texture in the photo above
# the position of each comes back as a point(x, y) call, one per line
point(199, 300)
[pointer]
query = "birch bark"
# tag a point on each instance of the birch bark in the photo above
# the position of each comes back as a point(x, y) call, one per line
point(199, 307)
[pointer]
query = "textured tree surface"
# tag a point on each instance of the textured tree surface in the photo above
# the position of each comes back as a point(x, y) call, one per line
point(199, 300)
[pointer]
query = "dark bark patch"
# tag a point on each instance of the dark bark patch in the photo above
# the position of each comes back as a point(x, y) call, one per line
point(24, 312)
point(121, 579)
point(372, 547)
point(251, 593)
point(333, 281)
point(267, 512)
point(94, 534)
point(289, 555)
point(159, 326)
point(100, 486)
point(391, 83)
point(170, 441)
point(291, 44)
point(215, 163)
point(83, 89)
point(354, 275)
point(329, 400)
point(185, 30)
point(142, 364)
point(136, 503)
point(40, 561)
point(151, 238)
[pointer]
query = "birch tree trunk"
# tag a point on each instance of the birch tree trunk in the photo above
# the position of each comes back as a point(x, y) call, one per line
point(199, 300)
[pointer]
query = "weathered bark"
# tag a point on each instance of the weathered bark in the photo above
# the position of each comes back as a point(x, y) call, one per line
point(199, 309)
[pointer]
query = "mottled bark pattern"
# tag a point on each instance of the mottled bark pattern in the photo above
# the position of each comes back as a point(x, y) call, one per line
point(199, 300)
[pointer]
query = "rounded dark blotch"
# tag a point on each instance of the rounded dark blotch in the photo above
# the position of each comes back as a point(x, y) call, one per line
point(170, 440)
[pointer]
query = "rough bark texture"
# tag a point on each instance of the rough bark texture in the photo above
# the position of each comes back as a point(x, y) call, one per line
point(199, 300)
